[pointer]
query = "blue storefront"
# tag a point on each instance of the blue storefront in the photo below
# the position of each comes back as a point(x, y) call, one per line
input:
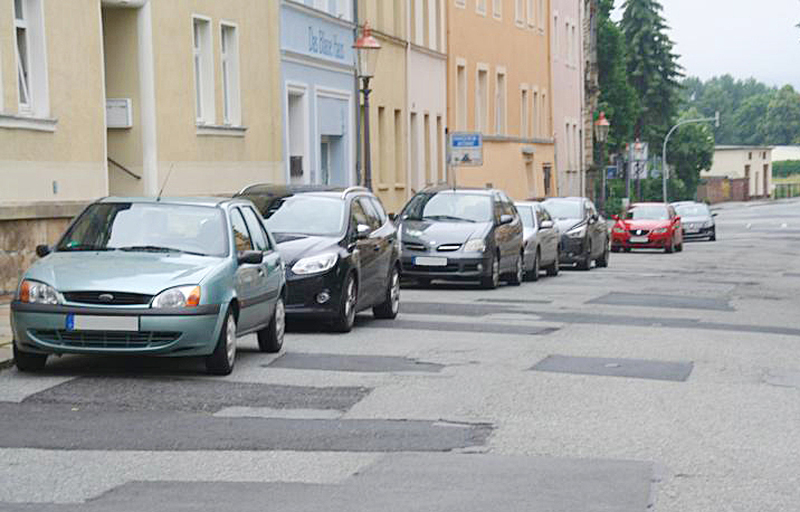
point(317, 66)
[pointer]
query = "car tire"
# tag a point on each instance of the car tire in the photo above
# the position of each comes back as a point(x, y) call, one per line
point(713, 237)
point(552, 270)
point(518, 276)
point(389, 308)
point(615, 248)
point(28, 361)
point(627, 249)
point(270, 339)
point(221, 361)
point(492, 281)
point(679, 247)
point(533, 274)
point(586, 262)
point(602, 262)
point(346, 316)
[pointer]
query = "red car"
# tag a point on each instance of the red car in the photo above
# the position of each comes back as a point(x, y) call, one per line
point(648, 226)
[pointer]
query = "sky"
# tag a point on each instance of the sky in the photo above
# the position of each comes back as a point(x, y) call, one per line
point(744, 38)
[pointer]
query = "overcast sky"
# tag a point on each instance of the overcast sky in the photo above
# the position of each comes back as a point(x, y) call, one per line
point(742, 37)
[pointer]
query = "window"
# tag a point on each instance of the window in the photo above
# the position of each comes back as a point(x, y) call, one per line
point(541, 17)
point(536, 114)
point(203, 71)
point(429, 176)
point(500, 104)
point(31, 62)
point(461, 3)
point(523, 109)
point(398, 147)
point(461, 95)
point(497, 8)
point(568, 144)
point(575, 49)
point(480, 7)
point(519, 12)
point(749, 156)
point(378, 207)
point(358, 215)
point(373, 218)
point(229, 55)
point(241, 237)
point(482, 100)
point(437, 45)
point(556, 48)
point(412, 13)
point(531, 14)
point(382, 149)
point(426, 24)
point(545, 108)
point(256, 229)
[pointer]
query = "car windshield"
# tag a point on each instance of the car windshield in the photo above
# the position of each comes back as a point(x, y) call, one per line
point(693, 210)
point(526, 214)
point(450, 207)
point(148, 227)
point(307, 215)
point(564, 209)
point(649, 212)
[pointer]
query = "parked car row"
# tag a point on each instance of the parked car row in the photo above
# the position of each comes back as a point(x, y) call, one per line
point(662, 226)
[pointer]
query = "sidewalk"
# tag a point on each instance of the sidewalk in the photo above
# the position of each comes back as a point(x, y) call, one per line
point(5, 336)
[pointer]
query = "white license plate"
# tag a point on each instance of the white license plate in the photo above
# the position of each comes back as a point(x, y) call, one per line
point(102, 323)
point(424, 261)
point(639, 239)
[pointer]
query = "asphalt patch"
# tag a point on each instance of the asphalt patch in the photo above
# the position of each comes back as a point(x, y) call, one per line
point(478, 327)
point(351, 363)
point(662, 301)
point(64, 427)
point(192, 395)
point(636, 368)
point(516, 301)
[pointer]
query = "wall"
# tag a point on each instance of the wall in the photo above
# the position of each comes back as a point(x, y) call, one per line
point(731, 163)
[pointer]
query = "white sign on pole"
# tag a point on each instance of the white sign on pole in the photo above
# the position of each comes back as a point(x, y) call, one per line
point(639, 151)
point(466, 149)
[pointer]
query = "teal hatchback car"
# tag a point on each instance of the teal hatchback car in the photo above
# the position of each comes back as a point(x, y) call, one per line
point(161, 277)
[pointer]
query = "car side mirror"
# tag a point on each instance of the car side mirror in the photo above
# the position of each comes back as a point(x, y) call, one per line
point(505, 219)
point(714, 214)
point(362, 231)
point(677, 219)
point(546, 224)
point(392, 217)
point(42, 250)
point(251, 257)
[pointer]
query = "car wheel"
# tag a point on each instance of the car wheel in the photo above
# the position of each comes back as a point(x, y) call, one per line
point(536, 268)
point(586, 261)
point(627, 249)
point(270, 339)
point(679, 247)
point(389, 308)
point(27, 361)
point(615, 248)
point(519, 271)
point(347, 306)
point(713, 237)
point(220, 362)
point(603, 261)
point(493, 280)
point(552, 270)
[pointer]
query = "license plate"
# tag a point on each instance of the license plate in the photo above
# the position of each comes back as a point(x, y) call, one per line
point(639, 239)
point(102, 323)
point(424, 261)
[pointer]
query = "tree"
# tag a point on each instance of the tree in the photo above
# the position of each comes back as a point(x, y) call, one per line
point(782, 123)
point(689, 151)
point(652, 68)
point(749, 119)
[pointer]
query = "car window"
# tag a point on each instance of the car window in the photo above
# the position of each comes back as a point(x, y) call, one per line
point(526, 214)
point(256, 229)
point(545, 215)
point(241, 237)
point(358, 215)
point(498, 206)
point(449, 206)
point(306, 214)
point(373, 220)
point(379, 208)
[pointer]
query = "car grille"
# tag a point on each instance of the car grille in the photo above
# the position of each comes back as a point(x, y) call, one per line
point(106, 339)
point(108, 298)
point(414, 247)
point(448, 247)
point(639, 232)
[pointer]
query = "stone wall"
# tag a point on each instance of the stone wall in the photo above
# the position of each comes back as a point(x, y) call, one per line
point(23, 226)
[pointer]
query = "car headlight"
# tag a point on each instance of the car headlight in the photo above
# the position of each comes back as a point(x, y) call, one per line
point(34, 292)
point(178, 297)
point(475, 245)
point(660, 231)
point(577, 232)
point(315, 264)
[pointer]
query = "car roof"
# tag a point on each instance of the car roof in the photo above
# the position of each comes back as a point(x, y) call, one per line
point(571, 198)
point(527, 203)
point(459, 190)
point(271, 190)
point(191, 201)
point(647, 203)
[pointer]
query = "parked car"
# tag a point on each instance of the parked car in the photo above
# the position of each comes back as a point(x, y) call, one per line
point(584, 233)
point(161, 277)
point(461, 234)
point(540, 240)
point(648, 226)
point(697, 220)
point(340, 248)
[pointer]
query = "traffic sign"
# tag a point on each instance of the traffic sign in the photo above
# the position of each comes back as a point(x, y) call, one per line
point(466, 149)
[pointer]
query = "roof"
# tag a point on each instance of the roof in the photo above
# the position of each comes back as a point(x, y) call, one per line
point(741, 148)
point(192, 201)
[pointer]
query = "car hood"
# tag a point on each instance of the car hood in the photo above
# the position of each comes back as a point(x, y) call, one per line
point(132, 272)
point(565, 225)
point(644, 224)
point(442, 232)
point(696, 220)
point(293, 247)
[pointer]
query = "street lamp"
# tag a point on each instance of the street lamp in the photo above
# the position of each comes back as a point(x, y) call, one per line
point(601, 129)
point(367, 58)
point(664, 168)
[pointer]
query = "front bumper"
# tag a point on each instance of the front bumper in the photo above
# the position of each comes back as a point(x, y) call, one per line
point(654, 241)
point(701, 233)
point(572, 250)
point(303, 293)
point(460, 265)
point(43, 329)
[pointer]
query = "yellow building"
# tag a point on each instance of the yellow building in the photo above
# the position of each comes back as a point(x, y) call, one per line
point(499, 84)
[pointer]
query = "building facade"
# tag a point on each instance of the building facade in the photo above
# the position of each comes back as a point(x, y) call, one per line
point(753, 164)
point(112, 97)
point(591, 92)
point(567, 62)
point(499, 84)
point(318, 91)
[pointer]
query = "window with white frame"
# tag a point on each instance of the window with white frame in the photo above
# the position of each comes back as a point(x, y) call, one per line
point(575, 47)
point(482, 100)
point(547, 131)
point(31, 62)
point(203, 70)
point(500, 103)
point(461, 3)
point(497, 8)
point(519, 12)
point(541, 17)
point(480, 6)
point(229, 60)
point(531, 14)
point(535, 114)
point(461, 95)
point(556, 50)
point(567, 44)
point(523, 113)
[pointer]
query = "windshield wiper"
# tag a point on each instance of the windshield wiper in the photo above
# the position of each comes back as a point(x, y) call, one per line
point(84, 247)
point(148, 248)
point(447, 217)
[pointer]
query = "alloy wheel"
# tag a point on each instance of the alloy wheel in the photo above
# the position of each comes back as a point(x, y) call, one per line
point(394, 293)
point(230, 340)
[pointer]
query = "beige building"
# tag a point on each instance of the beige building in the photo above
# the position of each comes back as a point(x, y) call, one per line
point(751, 163)
point(108, 97)
point(499, 84)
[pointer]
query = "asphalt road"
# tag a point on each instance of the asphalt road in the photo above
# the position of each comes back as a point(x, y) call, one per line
point(666, 382)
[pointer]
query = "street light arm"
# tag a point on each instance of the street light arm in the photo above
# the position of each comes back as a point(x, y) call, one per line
point(664, 149)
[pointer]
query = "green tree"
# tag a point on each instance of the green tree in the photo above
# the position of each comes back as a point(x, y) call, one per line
point(689, 151)
point(748, 121)
point(652, 68)
point(782, 122)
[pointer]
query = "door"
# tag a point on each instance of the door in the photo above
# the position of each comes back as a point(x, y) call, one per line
point(596, 230)
point(548, 237)
point(368, 253)
point(250, 279)
point(270, 265)
point(381, 231)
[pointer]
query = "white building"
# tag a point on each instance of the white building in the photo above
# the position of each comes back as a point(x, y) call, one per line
point(751, 162)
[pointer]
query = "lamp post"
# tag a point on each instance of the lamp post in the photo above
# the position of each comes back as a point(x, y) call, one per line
point(601, 128)
point(664, 168)
point(367, 49)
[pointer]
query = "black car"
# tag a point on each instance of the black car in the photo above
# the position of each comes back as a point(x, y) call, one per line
point(340, 249)
point(461, 234)
point(697, 220)
point(584, 233)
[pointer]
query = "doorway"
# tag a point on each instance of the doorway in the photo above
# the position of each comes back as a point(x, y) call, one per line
point(325, 161)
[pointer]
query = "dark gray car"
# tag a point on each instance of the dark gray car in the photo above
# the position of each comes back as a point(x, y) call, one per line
point(584, 233)
point(697, 220)
point(461, 234)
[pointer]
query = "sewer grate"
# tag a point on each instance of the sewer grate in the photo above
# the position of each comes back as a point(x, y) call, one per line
point(351, 363)
point(635, 368)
